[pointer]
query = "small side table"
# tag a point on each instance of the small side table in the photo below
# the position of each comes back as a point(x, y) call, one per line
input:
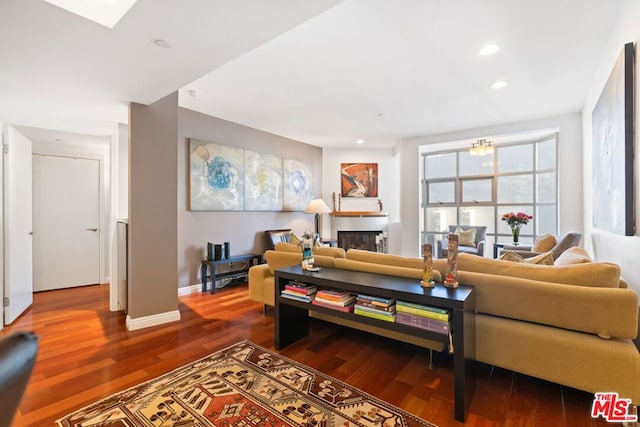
point(210, 265)
point(496, 246)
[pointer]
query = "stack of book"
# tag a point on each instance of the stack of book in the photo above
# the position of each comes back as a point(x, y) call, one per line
point(376, 307)
point(423, 316)
point(335, 299)
point(299, 291)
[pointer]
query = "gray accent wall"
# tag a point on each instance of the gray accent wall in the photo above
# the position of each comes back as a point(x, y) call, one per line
point(244, 230)
point(153, 260)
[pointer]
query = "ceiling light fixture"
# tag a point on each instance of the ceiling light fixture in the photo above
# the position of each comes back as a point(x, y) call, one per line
point(499, 84)
point(162, 43)
point(489, 49)
point(481, 147)
point(360, 141)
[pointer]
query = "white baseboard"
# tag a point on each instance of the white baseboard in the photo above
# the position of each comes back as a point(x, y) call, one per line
point(153, 320)
point(187, 290)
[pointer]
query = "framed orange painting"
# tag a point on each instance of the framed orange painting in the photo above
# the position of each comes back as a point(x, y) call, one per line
point(359, 179)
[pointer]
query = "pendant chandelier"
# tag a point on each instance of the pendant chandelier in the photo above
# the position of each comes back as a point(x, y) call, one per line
point(482, 147)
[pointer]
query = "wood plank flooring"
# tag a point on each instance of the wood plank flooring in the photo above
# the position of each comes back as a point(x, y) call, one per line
point(86, 354)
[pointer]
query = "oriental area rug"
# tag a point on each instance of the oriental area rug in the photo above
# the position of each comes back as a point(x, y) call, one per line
point(242, 385)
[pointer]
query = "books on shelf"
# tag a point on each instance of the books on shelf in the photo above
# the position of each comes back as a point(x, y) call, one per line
point(369, 304)
point(299, 291)
point(300, 287)
point(297, 296)
point(376, 307)
point(302, 291)
point(336, 296)
point(377, 300)
point(333, 306)
point(336, 300)
point(423, 310)
point(434, 325)
point(375, 314)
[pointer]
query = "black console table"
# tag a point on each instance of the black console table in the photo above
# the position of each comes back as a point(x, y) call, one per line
point(208, 268)
point(292, 317)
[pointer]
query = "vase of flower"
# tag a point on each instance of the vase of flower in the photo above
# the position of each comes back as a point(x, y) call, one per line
point(515, 233)
point(515, 222)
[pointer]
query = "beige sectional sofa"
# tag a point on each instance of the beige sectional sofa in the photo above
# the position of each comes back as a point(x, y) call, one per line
point(570, 324)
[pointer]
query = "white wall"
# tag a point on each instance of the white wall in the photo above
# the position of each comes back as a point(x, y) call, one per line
point(569, 171)
point(605, 246)
point(388, 185)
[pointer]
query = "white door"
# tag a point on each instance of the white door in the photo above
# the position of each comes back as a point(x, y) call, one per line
point(18, 271)
point(66, 206)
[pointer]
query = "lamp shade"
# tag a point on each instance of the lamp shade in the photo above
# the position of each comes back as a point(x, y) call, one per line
point(317, 206)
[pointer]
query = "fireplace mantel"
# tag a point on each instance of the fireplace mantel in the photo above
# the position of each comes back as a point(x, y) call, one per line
point(359, 213)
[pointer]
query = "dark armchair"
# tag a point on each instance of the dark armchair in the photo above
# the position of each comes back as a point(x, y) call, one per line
point(564, 242)
point(276, 236)
point(477, 248)
point(17, 357)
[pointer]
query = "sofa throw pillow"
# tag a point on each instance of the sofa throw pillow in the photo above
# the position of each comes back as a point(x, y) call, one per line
point(467, 237)
point(542, 259)
point(511, 256)
point(574, 255)
point(294, 240)
point(544, 243)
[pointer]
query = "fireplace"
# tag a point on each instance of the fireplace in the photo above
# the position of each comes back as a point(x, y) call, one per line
point(366, 240)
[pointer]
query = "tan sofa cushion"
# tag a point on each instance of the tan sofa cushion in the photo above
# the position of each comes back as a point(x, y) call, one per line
point(320, 250)
point(608, 312)
point(595, 274)
point(281, 259)
point(386, 259)
point(544, 243)
point(545, 258)
point(574, 255)
point(578, 360)
point(390, 270)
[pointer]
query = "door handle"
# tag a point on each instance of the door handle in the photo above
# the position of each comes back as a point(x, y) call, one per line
point(92, 229)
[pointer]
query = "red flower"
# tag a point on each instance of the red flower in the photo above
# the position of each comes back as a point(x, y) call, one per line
point(516, 219)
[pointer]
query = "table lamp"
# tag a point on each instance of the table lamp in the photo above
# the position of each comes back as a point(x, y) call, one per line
point(317, 206)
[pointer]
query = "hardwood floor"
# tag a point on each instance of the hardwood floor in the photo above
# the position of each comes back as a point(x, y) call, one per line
point(86, 354)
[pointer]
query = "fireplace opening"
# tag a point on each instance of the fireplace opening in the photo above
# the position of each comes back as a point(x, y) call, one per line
point(366, 240)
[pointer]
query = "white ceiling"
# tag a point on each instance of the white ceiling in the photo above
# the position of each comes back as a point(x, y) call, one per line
point(323, 72)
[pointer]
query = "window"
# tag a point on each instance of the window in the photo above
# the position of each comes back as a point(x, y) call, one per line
point(462, 189)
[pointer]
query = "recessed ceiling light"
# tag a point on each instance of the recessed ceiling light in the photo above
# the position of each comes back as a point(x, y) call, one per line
point(489, 49)
point(499, 84)
point(194, 93)
point(162, 43)
point(360, 141)
point(104, 12)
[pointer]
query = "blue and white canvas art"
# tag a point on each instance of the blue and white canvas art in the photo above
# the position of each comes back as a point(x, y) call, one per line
point(216, 176)
point(262, 182)
point(297, 185)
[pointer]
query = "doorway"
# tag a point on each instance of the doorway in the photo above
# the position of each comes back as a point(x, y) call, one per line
point(66, 222)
